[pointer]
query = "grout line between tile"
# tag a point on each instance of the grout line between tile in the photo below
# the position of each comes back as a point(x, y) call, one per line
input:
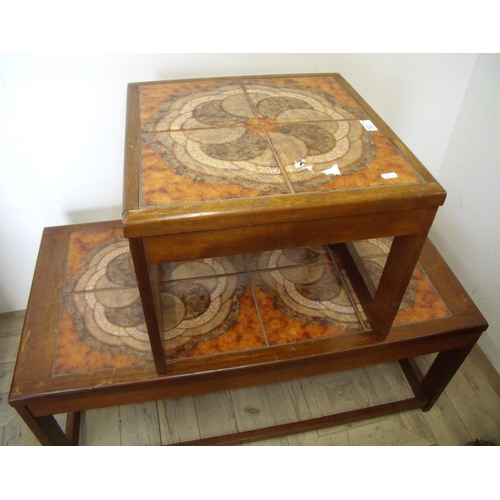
point(283, 170)
point(250, 284)
point(433, 287)
point(362, 323)
point(237, 273)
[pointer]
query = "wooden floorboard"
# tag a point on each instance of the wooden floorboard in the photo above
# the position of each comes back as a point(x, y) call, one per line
point(469, 408)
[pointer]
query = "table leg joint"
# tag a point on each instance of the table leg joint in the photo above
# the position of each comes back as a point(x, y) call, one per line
point(73, 422)
point(358, 275)
point(46, 429)
point(413, 375)
point(147, 282)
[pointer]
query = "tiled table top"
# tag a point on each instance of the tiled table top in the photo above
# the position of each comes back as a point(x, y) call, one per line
point(213, 306)
point(223, 139)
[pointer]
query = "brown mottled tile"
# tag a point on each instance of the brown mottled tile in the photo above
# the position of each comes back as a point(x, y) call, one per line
point(287, 257)
point(202, 268)
point(291, 98)
point(421, 301)
point(176, 105)
point(304, 303)
point(426, 305)
point(106, 265)
point(201, 316)
point(246, 333)
point(211, 316)
point(209, 164)
point(78, 352)
point(81, 243)
point(361, 156)
point(373, 247)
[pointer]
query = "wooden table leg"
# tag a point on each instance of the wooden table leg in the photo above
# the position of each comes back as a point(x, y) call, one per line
point(400, 265)
point(381, 304)
point(46, 429)
point(149, 289)
point(73, 421)
point(442, 371)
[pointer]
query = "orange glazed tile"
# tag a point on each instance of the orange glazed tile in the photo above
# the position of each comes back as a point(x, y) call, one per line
point(79, 246)
point(426, 305)
point(102, 323)
point(245, 332)
point(324, 156)
point(161, 101)
point(201, 167)
point(317, 97)
point(202, 268)
point(304, 302)
point(198, 310)
point(75, 354)
point(288, 257)
point(421, 301)
point(208, 308)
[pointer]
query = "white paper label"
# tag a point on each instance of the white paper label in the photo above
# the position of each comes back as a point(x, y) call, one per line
point(389, 175)
point(368, 124)
point(334, 170)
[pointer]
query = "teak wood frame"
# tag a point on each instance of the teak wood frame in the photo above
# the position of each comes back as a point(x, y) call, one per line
point(220, 228)
point(38, 396)
point(426, 389)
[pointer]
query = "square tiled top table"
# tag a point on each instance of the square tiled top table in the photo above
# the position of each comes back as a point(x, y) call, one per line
point(217, 167)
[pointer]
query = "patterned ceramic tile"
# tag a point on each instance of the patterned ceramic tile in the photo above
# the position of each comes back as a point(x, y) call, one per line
point(79, 351)
point(195, 104)
point(373, 247)
point(301, 303)
point(218, 315)
point(338, 155)
point(293, 99)
point(421, 301)
point(235, 139)
point(208, 164)
point(288, 257)
point(202, 309)
point(85, 243)
point(102, 323)
point(213, 306)
point(202, 268)
point(102, 314)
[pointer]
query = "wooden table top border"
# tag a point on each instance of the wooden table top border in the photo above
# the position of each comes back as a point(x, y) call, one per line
point(188, 217)
point(422, 338)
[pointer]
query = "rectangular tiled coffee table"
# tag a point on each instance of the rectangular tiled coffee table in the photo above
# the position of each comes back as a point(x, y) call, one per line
point(240, 321)
point(220, 167)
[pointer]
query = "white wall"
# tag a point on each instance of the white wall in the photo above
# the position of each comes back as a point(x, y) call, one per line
point(467, 227)
point(62, 122)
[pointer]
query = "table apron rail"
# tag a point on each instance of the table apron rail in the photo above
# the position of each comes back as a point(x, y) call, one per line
point(264, 237)
point(243, 376)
